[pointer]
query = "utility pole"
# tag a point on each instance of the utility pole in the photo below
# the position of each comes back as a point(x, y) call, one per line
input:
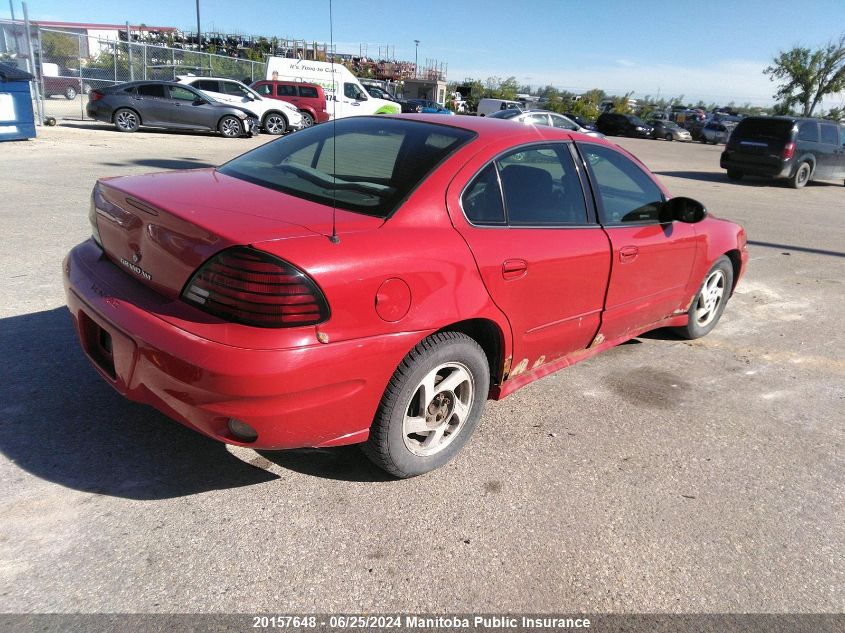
point(199, 36)
point(416, 56)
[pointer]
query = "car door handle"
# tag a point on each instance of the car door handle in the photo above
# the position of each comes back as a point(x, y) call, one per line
point(628, 254)
point(514, 268)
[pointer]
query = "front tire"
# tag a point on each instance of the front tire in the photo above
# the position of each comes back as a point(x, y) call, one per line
point(126, 120)
point(230, 127)
point(275, 123)
point(70, 93)
point(431, 406)
point(801, 176)
point(735, 174)
point(709, 304)
point(669, 137)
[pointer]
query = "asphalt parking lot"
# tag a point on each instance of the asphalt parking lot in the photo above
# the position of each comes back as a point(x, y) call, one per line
point(661, 476)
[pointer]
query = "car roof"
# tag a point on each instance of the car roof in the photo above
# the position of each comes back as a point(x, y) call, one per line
point(490, 129)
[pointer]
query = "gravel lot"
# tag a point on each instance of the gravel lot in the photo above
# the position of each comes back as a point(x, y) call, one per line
point(661, 476)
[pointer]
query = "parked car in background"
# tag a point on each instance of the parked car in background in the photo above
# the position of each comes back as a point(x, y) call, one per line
point(168, 104)
point(798, 150)
point(343, 285)
point(274, 116)
point(309, 99)
point(381, 93)
point(427, 106)
point(60, 81)
point(615, 124)
point(96, 78)
point(716, 132)
point(669, 130)
point(694, 126)
point(544, 117)
point(584, 123)
point(489, 106)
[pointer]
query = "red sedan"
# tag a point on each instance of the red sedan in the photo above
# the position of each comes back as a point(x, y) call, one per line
point(376, 280)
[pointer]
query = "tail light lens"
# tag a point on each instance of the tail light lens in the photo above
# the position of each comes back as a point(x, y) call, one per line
point(97, 201)
point(95, 95)
point(788, 151)
point(247, 286)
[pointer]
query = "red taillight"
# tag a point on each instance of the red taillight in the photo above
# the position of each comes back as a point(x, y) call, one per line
point(247, 286)
point(94, 95)
point(788, 151)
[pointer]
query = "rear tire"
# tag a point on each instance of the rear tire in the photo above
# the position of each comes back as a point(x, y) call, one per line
point(70, 93)
point(307, 119)
point(709, 304)
point(703, 139)
point(669, 137)
point(735, 174)
point(431, 406)
point(126, 120)
point(801, 176)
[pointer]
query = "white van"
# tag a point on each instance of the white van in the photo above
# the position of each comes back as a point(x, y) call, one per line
point(345, 96)
point(489, 106)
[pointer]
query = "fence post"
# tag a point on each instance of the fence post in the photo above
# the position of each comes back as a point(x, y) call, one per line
point(31, 63)
point(129, 50)
point(81, 84)
point(145, 61)
point(173, 61)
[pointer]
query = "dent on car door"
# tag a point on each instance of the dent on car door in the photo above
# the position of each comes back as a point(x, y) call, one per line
point(651, 261)
point(543, 258)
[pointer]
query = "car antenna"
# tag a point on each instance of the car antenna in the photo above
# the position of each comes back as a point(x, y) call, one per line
point(334, 239)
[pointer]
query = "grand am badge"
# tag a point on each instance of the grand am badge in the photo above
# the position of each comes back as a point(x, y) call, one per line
point(136, 269)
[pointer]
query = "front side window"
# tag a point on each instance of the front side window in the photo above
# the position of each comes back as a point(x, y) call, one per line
point(352, 91)
point(539, 187)
point(560, 122)
point(538, 119)
point(363, 164)
point(627, 193)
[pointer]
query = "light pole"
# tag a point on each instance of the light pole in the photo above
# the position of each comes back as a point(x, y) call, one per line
point(199, 37)
point(416, 55)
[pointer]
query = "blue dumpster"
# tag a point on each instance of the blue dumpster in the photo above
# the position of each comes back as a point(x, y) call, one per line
point(16, 119)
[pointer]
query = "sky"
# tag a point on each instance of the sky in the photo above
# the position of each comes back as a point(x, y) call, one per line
point(713, 50)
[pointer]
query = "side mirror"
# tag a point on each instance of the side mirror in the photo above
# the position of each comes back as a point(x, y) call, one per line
point(199, 101)
point(682, 209)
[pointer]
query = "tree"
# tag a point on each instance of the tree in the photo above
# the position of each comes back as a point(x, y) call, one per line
point(809, 75)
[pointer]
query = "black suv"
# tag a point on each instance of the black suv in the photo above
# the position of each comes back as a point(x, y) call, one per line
point(614, 124)
point(792, 148)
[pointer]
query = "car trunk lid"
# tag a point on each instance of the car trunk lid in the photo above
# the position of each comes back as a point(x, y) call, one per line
point(161, 227)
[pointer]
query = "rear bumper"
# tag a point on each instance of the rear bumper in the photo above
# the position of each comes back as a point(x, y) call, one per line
point(307, 395)
point(730, 160)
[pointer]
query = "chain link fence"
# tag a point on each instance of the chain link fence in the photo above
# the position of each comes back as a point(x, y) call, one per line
point(73, 64)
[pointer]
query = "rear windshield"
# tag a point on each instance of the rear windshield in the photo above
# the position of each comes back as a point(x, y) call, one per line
point(363, 164)
point(763, 129)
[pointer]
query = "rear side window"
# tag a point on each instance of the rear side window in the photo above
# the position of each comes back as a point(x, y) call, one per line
point(829, 134)
point(309, 92)
point(285, 90)
point(808, 131)
point(151, 90)
point(207, 84)
point(482, 200)
point(627, 193)
point(363, 164)
point(540, 186)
